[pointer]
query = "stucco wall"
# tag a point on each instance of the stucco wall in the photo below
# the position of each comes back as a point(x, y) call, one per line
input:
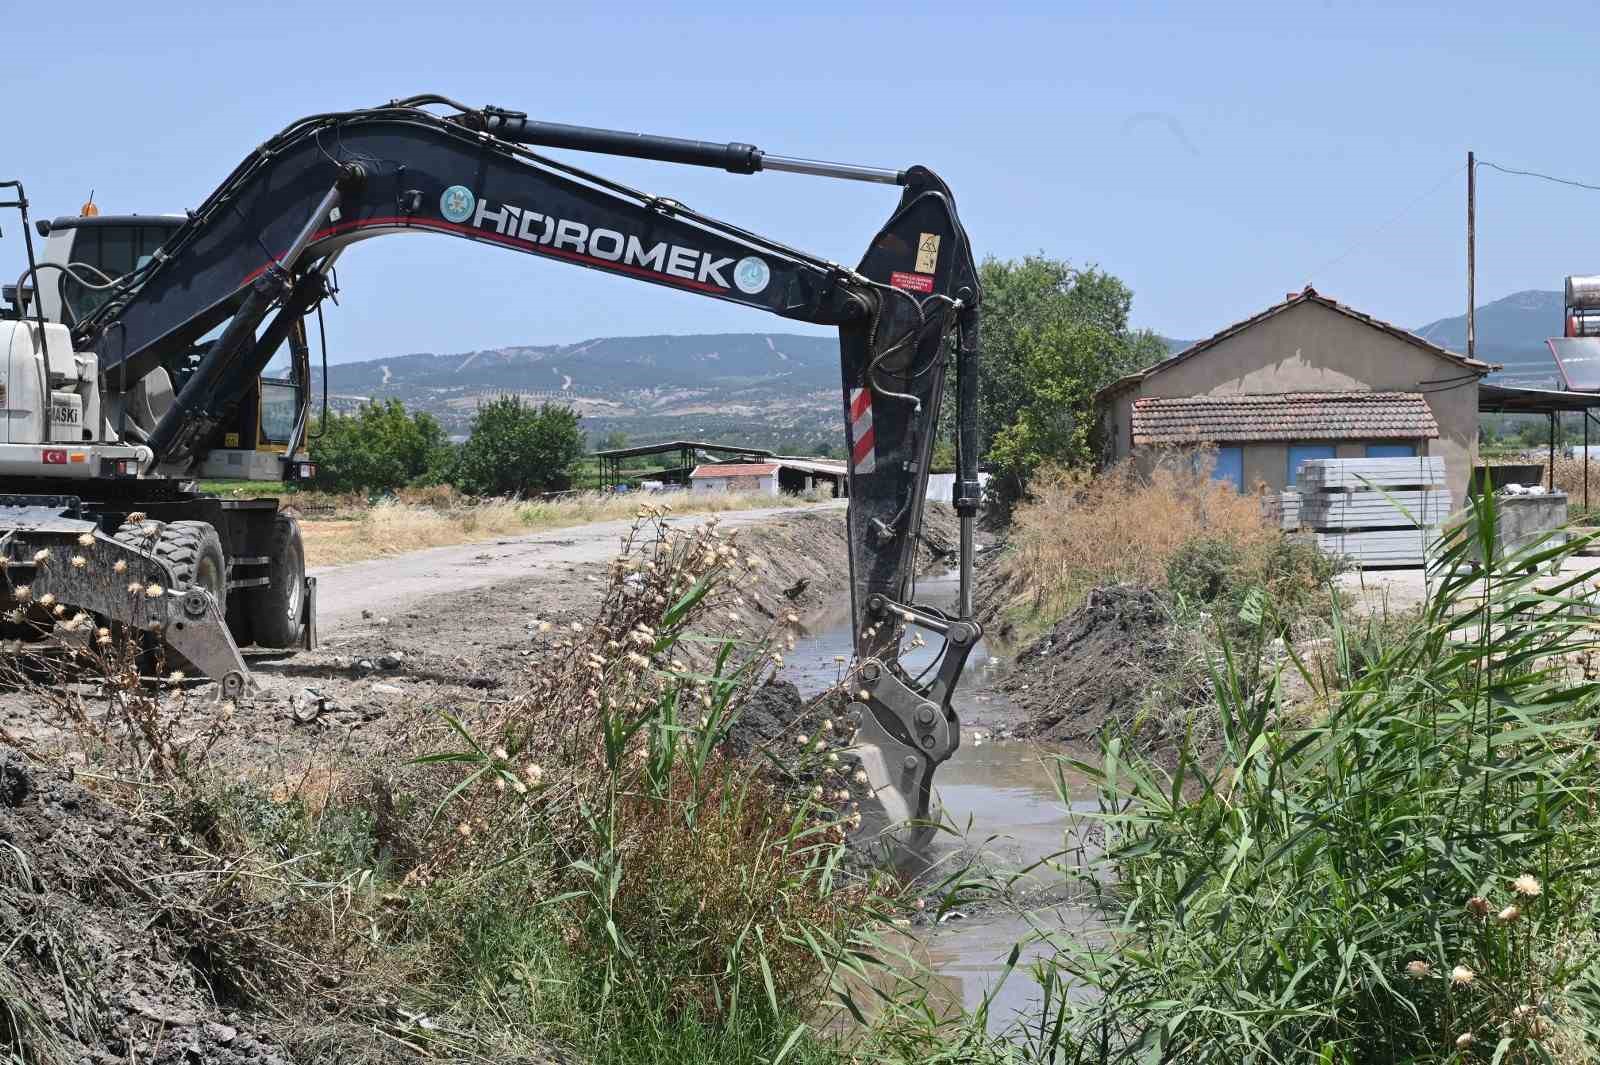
point(767, 484)
point(1312, 348)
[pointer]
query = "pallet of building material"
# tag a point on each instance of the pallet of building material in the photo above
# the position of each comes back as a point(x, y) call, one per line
point(1381, 547)
point(1374, 509)
point(1282, 508)
point(1321, 475)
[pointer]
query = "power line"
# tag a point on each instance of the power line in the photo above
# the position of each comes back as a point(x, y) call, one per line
point(1541, 177)
point(1382, 226)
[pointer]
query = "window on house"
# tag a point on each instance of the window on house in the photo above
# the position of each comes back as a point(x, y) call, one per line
point(1391, 451)
point(1299, 453)
point(1229, 467)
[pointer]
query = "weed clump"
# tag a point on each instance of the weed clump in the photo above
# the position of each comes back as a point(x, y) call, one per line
point(678, 881)
point(1170, 527)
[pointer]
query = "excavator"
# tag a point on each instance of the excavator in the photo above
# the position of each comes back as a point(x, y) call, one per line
point(134, 350)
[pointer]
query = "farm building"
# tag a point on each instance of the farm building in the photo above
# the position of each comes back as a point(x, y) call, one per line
point(1308, 378)
point(770, 477)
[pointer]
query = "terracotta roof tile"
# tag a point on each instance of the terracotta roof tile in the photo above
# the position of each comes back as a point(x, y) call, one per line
point(1283, 416)
point(736, 469)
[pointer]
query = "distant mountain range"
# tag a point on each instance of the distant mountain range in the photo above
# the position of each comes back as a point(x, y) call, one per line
point(778, 390)
point(1511, 331)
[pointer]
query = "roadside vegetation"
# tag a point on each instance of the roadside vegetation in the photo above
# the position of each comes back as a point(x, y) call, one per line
point(1411, 878)
point(513, 449)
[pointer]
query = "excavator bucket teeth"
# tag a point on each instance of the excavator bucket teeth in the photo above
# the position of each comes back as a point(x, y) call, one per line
point(58, 567)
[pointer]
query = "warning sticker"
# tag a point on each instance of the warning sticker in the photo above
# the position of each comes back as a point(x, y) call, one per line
point(912, 282)
point(927, 253)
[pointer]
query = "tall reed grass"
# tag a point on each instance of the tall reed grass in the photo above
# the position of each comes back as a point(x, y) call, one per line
point(1412, 879)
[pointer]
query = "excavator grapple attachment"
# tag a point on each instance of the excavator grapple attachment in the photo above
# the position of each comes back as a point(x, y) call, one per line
point(62, 573)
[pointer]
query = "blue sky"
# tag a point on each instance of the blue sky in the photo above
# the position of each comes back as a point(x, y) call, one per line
point(1213, 156)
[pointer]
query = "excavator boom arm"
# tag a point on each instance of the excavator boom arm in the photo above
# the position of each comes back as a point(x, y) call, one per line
point(251, 259)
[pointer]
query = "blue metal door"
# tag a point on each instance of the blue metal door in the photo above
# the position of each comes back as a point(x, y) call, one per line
point(1230, 467)
point(1391, 451)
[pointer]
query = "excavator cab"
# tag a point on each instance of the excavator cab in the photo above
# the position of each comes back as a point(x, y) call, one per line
point(264, 438)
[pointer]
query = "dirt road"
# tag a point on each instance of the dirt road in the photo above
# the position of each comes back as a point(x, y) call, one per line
point(389, 585)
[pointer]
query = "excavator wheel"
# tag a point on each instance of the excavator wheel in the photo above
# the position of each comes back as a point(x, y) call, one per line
point(192, 550)
point(275, 610)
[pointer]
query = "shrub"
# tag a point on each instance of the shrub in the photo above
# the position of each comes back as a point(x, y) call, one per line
point(1203, 569)
point(380, 448)
point(1079, 530)
point(519, 450)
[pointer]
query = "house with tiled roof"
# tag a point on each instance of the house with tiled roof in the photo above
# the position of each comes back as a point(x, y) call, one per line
point(1307, 378)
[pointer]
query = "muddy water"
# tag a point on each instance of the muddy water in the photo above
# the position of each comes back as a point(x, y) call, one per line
point(1001, 799)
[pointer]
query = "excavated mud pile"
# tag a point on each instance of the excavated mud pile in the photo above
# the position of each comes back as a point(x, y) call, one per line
point(108, 950)
point(1093, 671)
point(771, 719)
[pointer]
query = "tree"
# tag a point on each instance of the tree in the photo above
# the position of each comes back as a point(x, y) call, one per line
point(1051, 337)
point(516, 449)
point(615, 440)
point(379, 448)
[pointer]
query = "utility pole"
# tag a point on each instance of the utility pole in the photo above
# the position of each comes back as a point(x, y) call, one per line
point(1472, 268)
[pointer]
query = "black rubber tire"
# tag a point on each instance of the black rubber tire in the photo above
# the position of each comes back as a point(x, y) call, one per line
point(274, 610)
point(192, 550)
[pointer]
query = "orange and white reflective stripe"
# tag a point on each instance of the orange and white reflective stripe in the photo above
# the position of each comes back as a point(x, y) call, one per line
point(863, 451)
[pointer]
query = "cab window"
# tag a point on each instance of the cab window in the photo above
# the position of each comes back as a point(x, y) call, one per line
point(114, 251)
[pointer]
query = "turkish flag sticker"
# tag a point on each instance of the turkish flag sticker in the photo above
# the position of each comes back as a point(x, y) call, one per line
point(55, 456)
point(911, 282)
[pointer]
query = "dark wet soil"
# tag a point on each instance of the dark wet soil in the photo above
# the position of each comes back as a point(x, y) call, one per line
point(1093, 673)
point(122, 952)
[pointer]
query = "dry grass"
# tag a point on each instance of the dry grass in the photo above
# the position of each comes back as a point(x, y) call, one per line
point(1078, 531)
point(1569, 479)
point(413, 521)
